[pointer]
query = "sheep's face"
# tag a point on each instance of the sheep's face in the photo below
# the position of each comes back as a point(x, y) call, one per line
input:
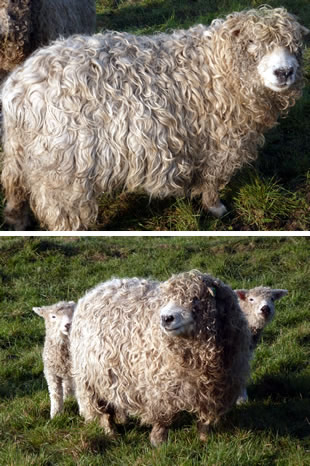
point(176, 320)
point(265, 47)
point(278, 69)
point(58, 317)
point(258, 305)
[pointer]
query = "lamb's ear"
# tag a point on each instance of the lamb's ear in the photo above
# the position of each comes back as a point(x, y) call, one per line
point(72, 303)
point(241, 294)
point(278, 294)
point(39, 311)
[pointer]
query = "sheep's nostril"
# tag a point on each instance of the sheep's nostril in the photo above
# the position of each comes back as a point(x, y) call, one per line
point(283, 73)
point(168, 319)
point(265, 311)
point(67, 326)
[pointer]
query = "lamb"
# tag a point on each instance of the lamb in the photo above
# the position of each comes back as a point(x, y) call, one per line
point(171, 114)
point(259, 309)
point(25, 25)
point(56, 352)
point(152, 349)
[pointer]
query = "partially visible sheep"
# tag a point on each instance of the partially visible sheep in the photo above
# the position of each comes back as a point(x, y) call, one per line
point(259, 309)
point(172, 114)
point(152, 349)
point(26, 25)
point(56, 352)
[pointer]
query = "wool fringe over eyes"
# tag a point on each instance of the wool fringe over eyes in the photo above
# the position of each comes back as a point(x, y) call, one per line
point(171, 114)
point(123, 362)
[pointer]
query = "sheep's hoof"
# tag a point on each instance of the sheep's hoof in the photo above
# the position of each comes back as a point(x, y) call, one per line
point(218, 210)
point(158, 435)
point(203, 430)
point(241, 400)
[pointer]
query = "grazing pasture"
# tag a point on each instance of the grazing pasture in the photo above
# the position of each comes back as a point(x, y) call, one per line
point(272, 428)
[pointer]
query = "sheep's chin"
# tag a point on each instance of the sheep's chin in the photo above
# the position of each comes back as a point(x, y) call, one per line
point(181, 331)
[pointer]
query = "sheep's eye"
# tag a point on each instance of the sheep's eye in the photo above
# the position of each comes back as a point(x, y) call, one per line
point(251, 299)
point(53, 317)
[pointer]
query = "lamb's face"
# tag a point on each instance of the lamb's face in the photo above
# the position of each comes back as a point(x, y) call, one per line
point(258, 305)
point(58, 317)
point(176, 320)
point(278, 69)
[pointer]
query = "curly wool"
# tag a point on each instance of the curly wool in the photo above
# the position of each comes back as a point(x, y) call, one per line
point(121, 356)
point(173, 114)
point(26, 25)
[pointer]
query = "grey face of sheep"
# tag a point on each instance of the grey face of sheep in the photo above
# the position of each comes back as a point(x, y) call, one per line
point(57, 317)
point(177, 321)
point(259, 304)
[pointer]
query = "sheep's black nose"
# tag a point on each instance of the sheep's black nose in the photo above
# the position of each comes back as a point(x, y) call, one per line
point(167, 319)
point(265, 311)
point(283, 73)
point(68, 326)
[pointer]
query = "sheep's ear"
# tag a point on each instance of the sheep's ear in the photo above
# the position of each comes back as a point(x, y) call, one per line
point(241, 294)
point(278, 294)
point(305, 31)
point(39, 311)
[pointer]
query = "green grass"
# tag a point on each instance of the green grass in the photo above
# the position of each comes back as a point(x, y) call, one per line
point(272, 429)
point(272, 195)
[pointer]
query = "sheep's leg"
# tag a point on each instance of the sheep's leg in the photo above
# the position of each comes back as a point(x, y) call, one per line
point(243, 397)
point(17, 214)
point(67, 386)
point(63, 209)
point(203, 429)
point(211, 202)
point(159, 434)
point(106, 421)
point(54, 384)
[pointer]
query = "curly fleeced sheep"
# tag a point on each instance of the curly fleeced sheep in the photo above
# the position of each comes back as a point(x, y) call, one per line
point(25, 25)
point(152, 349)
point(172, 114)
point(258, 306)
point(56, 352)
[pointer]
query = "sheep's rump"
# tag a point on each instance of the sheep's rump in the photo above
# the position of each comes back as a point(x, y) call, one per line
point(120, 354)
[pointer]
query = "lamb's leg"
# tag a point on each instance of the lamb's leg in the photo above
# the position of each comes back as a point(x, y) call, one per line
point(159, 434)
point(54, 384)
point(67, 386)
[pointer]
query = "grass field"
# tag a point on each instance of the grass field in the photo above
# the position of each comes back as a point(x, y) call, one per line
point(272, 429)
point(272, 195)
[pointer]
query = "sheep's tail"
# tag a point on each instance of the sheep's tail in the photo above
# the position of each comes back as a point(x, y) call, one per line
point(17, 209)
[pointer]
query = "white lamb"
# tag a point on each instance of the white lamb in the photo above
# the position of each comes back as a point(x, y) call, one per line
point(259, 308)
point(56, 352)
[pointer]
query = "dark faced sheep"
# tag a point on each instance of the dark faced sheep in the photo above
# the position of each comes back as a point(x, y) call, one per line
point(26, 25)
point(152, 349)
point(172, 114)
